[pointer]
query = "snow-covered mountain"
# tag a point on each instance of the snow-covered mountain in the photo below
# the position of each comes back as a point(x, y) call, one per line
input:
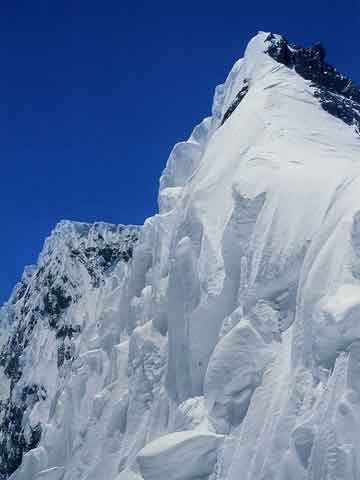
point(221, 339)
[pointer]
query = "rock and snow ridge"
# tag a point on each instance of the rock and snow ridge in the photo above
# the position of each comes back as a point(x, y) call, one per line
point(221, 339)
point(76, 258)
point(338, 95)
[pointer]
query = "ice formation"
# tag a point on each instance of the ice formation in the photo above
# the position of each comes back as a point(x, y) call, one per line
point(221, 339)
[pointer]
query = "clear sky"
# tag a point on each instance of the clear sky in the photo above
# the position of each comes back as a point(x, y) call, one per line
point(95, 93)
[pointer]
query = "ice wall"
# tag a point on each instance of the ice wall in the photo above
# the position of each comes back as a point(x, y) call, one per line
point(226, 345)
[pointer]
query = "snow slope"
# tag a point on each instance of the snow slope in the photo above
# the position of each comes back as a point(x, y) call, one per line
point(221, 338)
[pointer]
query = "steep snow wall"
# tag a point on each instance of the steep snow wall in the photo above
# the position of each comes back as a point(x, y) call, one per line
point(220, 340)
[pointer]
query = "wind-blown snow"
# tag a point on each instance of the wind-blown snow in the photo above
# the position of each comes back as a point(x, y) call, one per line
point(219, 340)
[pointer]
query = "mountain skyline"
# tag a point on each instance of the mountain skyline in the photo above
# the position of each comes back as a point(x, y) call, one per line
point(220, 339)
point(78, 80)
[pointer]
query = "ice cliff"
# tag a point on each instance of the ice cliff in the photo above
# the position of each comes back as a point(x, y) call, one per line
point(221, 339)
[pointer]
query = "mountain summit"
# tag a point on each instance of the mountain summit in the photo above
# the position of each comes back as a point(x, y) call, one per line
point(220, 340)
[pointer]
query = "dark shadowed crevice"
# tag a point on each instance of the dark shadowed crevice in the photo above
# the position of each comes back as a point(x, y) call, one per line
point(239, 97)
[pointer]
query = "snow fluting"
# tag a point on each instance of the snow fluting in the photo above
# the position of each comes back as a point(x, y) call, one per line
point(221, 339)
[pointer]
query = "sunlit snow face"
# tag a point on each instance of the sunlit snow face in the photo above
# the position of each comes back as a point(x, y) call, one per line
point(330, 289)
point(238, 363)
point(336, 323)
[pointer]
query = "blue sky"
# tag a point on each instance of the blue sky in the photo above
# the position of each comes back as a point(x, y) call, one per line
point(95, 94)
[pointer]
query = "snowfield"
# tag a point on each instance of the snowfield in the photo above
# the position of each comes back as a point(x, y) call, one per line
point(221, 339)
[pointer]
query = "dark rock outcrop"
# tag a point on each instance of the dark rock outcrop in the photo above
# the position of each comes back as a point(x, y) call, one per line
point(337, 94)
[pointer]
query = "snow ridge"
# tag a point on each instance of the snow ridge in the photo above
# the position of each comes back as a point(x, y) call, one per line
point(221, 339)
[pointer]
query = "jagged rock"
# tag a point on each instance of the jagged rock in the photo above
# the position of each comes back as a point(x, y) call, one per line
point(337, 94)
